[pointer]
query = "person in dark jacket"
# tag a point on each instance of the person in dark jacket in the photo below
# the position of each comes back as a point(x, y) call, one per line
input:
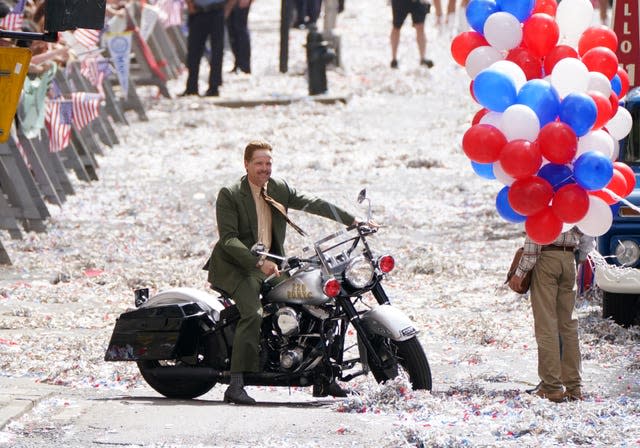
point(250, 211)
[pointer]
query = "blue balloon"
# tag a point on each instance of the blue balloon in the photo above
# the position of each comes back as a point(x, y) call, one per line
point(616, 84)
point(579, 111)
point(495, 90)
point(504, 208)
point(478, 11)
point(483, 170)
point(521, 9)
point(593, 170)
point(542, 98)
point(557, 175)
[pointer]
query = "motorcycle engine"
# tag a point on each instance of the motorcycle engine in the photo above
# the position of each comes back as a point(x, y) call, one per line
point(287, 321)
point(290, 358)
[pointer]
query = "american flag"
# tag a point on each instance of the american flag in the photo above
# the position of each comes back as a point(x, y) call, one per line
point(86, 37)
point(86, 107)
point(13, 20)
point(22, 151)
point(58, 118)
point(95, 69)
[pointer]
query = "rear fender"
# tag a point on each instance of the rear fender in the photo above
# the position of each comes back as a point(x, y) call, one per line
point(389, 322)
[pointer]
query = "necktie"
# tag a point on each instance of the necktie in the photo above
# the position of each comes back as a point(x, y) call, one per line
point(278, 206)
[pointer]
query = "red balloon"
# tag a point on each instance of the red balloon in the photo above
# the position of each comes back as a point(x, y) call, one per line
point(530, 64)
point(615, 102)
point(629, 176)
point(540, 34)
point(530, 195)
point(478, 116)
point(482, 143)
point(465, 43)
point(471, 91)
point(570, 203)
point(556, 54)
point(601, 59)
point(520, 158)
point(597, 36)
point(558, 142)
point(543, 227)
point(617, 185)
point(546, 7)
point(604, 108)
point(624, 78)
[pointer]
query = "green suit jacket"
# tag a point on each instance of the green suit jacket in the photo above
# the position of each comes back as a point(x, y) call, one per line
point(231, 260)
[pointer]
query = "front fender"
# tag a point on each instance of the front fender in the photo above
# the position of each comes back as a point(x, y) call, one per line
point(389, 322)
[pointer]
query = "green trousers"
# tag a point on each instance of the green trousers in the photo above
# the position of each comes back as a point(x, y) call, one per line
point(246, 342)
point(553, 298)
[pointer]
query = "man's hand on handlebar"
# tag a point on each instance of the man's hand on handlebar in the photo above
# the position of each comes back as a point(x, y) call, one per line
point(270, 268)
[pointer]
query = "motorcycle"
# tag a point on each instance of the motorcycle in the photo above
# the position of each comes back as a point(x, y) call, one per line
point(182, 338)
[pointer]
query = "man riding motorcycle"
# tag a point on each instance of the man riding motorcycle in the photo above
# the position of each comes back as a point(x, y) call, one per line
point(252, 211)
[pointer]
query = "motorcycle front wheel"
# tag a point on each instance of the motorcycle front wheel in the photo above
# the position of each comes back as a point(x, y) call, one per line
point(186, 388)
point(407, 354)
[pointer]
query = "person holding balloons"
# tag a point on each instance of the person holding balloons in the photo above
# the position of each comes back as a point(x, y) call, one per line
point(553, 298)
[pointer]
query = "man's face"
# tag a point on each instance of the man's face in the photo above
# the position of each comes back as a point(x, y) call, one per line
point(259, 167)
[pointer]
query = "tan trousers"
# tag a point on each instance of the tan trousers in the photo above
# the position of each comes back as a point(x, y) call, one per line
point(553, 298)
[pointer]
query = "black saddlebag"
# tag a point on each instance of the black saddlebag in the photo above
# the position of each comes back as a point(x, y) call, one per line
point(158, 332)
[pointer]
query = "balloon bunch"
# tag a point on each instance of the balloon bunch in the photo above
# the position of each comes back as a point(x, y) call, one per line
point(549, 84)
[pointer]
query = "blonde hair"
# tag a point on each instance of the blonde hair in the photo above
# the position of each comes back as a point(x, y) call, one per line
point(253, 146)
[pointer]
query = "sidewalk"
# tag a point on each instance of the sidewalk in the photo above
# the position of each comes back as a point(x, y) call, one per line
point(20, 395)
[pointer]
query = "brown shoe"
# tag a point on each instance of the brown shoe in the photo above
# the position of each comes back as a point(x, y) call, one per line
point(557, 396)
point(574, 395)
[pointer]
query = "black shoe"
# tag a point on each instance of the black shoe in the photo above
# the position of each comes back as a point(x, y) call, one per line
point(394, 63)
point(212, 93)
point(427, 62)
point(324, 390)
point(189, 93)
point(237, 395)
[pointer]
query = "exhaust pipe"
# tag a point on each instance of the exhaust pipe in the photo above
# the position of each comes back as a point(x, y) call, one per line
point(178, 373)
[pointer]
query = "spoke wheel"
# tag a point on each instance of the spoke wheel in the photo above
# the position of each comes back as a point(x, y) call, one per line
point(402, 357)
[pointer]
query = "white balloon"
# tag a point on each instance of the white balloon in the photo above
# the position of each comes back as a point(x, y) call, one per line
point(566, 226)
point(570, 75)
point(493, 118)
point(503, 31)
point(599, 83)
point(481, 58)
point(512, 70)
point(501, 176)
point(620, 124)
point(598, 218)
point(574, 16)
point(616, 148)
point(599, 141)
point(520, 122)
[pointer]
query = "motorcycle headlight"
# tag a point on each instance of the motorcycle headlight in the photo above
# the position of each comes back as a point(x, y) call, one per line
point(627, 252)
point(359, 272)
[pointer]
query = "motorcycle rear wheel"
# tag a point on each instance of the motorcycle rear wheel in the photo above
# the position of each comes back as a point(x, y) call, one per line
point(409, 355)
point(187, 388)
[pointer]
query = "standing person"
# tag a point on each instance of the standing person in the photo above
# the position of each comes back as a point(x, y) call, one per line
point(206, 20)
point(307, 12)
point(247, 213)
point(418, 10)
point(239, 37)
point(553, 298)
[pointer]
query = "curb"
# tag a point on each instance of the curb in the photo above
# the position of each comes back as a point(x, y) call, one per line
point(19, 396)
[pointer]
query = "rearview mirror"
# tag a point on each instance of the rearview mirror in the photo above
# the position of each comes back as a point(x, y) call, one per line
point(362, 195)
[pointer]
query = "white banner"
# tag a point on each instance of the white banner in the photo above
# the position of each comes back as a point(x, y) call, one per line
point(119, 45)
point(148, 20)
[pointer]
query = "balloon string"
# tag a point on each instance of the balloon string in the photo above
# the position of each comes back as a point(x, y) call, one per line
point(621, 199)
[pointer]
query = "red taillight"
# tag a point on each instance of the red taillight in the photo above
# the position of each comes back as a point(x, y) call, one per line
point(331, 287)
point(386, 263)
